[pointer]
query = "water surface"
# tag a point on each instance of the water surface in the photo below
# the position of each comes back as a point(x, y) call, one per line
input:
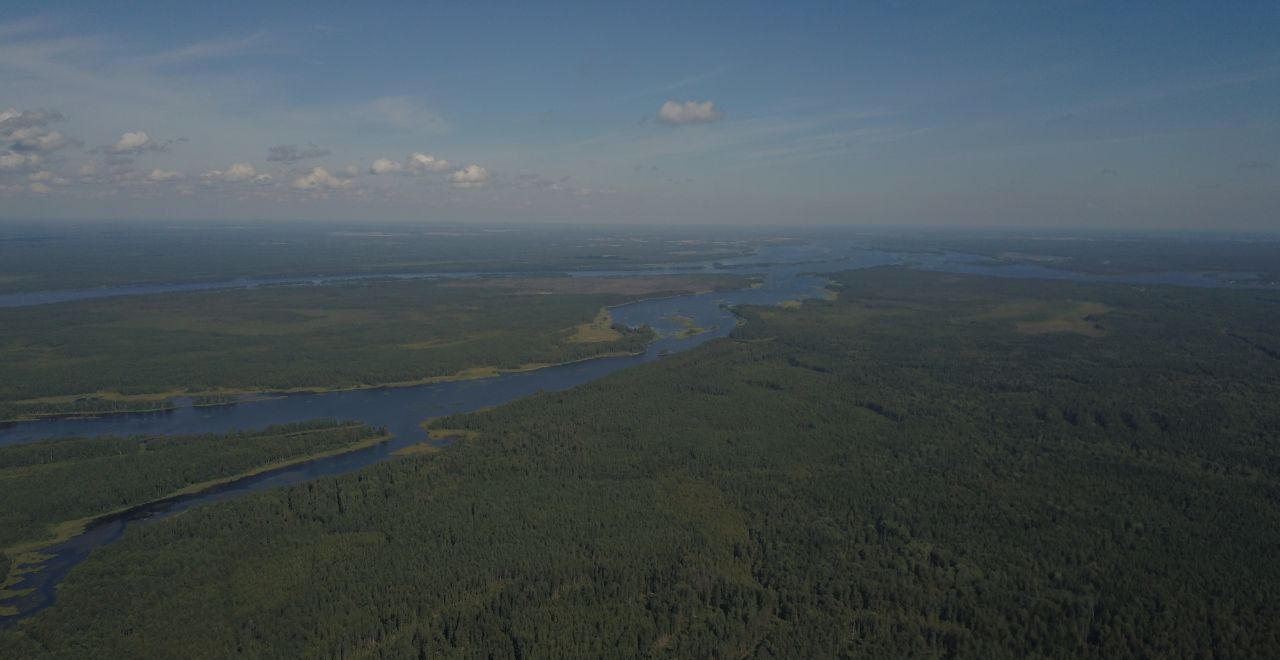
point(789, 272)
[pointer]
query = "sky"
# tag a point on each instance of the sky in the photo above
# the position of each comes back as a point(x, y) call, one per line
point(1035, 113)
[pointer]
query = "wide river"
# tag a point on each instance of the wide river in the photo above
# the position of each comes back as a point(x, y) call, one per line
point(789, 272)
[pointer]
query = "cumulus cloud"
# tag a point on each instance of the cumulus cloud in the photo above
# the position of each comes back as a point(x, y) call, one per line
point(236, 173)
point(385, 166)
point(689, 112)
point(38, 139)
point(13, 119)
point(416, 163)
point(426, 163)
point(469, 177)
point(25, 138)
point(292, 153)
point(240, 172)
point(163, 175)
point(12, 160)
point(47, 177)
point(135, 142)
point(320, 179)
point(27, 130)
point(38, 188)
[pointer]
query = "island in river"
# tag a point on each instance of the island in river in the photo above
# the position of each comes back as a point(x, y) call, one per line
point(136, 354)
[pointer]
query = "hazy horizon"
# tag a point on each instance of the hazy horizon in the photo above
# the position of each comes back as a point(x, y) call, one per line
point(1053, 116)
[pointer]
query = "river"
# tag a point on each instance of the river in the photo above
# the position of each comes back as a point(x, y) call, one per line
point(789, 272)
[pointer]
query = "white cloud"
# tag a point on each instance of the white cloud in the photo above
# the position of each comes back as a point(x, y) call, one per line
point(24, 135)
point(12, 160)
point(38, 188)
point(318, 179)
point(469, 177)
point(427, 163)
point(237, 172)
point(13, 119)
point(417, 162)
point(163, 175)
point(385, 166)
point(689, 112)
point(241, 172)
point(135, 142)
point(47, 177)
point(36, 139)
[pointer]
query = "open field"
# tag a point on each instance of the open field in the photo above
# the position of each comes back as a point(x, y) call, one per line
point(1040, 317)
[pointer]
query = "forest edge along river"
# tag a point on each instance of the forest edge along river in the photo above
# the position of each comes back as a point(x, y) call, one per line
point(788, 272)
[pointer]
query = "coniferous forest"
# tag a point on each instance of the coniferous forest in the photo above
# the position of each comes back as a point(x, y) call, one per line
point(928, 465)
point(54, 481)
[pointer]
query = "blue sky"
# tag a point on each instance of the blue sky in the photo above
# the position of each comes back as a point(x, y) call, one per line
point(1029, 114)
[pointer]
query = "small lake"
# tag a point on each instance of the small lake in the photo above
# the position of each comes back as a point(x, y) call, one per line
point(789, 272)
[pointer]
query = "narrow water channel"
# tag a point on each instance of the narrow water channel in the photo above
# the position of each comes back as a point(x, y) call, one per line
point(789, 272)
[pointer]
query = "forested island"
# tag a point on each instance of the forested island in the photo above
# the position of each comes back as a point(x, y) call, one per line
point(929, 465)
point(134, 354)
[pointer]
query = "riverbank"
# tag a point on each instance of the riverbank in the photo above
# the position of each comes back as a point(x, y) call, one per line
point(590, 332)
point(247, 395)
point(27, 556)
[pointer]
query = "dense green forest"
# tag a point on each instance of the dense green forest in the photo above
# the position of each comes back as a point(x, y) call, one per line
point(50, 482)
point(67, 255)
point(928, 466)
point(276, 338)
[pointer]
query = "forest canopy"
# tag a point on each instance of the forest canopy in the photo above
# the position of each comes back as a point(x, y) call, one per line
point(930, 465)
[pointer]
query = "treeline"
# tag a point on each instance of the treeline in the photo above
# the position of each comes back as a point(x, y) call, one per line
point(45, 483)
point(83, 406)
point(887, 475)
point(280, 338)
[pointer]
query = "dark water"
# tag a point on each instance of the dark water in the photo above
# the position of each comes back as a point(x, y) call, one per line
point(402, 409)
point(789, 272)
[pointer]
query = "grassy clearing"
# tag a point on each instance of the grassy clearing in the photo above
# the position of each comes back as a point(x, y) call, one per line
point(1082, 318)
point(688, 327)
point(1038, 317)
point(418, 449)
point(599, 329)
